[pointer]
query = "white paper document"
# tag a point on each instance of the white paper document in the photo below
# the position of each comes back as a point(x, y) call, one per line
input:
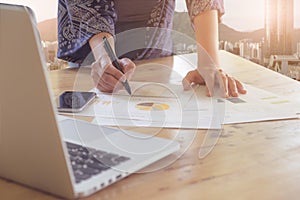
point(167, 105)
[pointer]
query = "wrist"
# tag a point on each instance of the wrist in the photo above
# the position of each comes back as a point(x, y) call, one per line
point(96, 44)
point(102, 61)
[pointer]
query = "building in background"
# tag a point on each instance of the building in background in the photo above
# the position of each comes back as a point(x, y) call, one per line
point(279, 26)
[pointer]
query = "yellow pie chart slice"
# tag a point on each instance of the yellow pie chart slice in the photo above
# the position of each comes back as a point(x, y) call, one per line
point(152, 106)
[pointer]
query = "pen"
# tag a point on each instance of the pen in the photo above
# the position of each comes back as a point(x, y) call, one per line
point(115, 63)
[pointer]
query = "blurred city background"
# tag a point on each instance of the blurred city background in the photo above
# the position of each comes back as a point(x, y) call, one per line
point(276, 45)
point(266, 32)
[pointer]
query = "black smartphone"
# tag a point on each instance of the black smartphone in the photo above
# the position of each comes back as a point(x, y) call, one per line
point(75, 101)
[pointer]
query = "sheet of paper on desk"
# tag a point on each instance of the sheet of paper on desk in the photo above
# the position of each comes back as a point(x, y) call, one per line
point(151, 103)
point(256, 105)
point(260, 105)
point(165, 105)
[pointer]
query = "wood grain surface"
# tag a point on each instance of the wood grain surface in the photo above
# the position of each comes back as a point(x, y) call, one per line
point(250, 161)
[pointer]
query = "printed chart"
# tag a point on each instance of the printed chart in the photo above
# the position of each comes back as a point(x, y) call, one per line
point(166, 105)
point(152, 106)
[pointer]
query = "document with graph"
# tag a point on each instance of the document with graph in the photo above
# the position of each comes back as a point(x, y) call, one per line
point(256, 105)
point(151, 104)
point(167, 105)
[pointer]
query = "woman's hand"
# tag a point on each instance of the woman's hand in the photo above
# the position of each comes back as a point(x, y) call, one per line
point(109, 79)
point(230, 87)
point(106, 77)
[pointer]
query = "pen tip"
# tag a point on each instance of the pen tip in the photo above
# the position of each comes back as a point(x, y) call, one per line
point(127, 87)
point(129, 91)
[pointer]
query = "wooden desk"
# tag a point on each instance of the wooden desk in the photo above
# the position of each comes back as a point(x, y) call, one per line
point(250, 161)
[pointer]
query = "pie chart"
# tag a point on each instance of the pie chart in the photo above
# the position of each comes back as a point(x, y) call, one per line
point(149, 106)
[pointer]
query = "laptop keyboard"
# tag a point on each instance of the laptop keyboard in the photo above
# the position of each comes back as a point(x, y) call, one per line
point(88, 162)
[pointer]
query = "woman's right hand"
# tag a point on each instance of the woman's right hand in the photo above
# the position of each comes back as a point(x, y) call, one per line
point(109, 79)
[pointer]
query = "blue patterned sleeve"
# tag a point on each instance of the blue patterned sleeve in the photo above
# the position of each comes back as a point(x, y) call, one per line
point(78, 21)
point(196, 7)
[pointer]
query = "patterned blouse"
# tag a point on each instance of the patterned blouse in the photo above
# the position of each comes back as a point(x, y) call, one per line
point(142, 29)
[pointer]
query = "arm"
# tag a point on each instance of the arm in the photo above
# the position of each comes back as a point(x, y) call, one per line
point(78, 22)
point(207, 37)
point(81, 27)
point(209, 71)
point(105, 76)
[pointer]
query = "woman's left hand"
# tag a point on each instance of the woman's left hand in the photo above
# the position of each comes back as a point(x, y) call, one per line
point(231, 87)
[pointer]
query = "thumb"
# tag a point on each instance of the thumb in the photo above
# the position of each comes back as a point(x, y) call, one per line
point(128, 67)
point(187, 81)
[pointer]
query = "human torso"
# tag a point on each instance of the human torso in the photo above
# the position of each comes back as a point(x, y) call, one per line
point(134, 17)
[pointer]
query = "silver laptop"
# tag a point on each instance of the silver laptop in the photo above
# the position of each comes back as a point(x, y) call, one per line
point(67, 158)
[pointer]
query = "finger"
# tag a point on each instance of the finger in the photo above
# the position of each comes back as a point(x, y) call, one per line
point(221, 84)
point(103, 88)
point(110, 69)
point(105, 78)
point(186, 82)
point(99, 72)
point(190, 78)
point(224, 85)
point(109, 84)
point(109, 80)
point(108, 89)
point(207, 92)
point(209, 78)
point(105, 83)
point(240, 87)
point(232, 87)
point(128, 67)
